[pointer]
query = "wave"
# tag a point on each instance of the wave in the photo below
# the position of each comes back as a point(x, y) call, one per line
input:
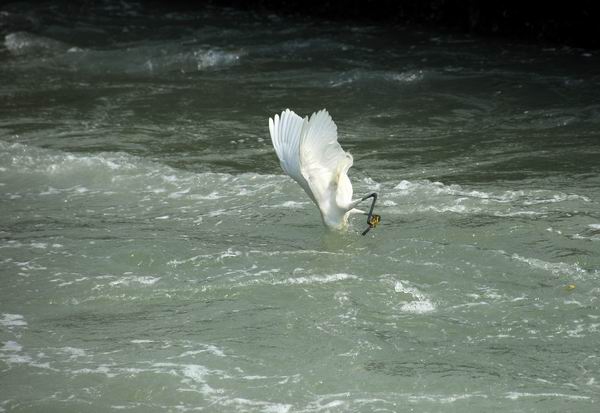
point(23, 43)
point(421, 196)
point(12, 320)
point(58, 174)
point(390, 77)
point(151, 60)
point(419, 302)
point(557, 269)
point(526, 197)
point(591, 233)
point(293, 49)
point(154, 59)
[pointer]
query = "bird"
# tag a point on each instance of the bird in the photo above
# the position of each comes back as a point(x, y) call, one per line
point(309, 152)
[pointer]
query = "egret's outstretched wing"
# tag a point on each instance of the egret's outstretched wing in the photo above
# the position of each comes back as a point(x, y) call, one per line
point(285, 134)
point(323, 162)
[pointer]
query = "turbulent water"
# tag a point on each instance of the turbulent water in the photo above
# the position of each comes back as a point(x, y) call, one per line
point(155, 258)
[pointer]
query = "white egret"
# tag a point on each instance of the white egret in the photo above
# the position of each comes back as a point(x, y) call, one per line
point(309, 152)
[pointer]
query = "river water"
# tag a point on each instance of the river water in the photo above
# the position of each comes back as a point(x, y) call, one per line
point(155, 258)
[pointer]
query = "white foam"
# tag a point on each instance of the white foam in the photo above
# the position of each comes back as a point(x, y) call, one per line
point(73, 352)
point(276, 408)
point(229, 253)
point(318, 279)
point(50, 191)
point(198, 374)
point(152, 59)
point(212, 196)
point(18, 359)
point(577, 331)
point(12, 320)
point(556, 268)
point(10, 354)
point(102, 369)
point(518, 395)
point(215, 58)
point(418, 307)
point(23, 42)
point(360, 75)
point(291, 204)
point(421, 305)
point(592, 234)
point(11, 346)
point(209, 348)
point(406, 77)
point(144, 280)
point(446, 399)
point(291, 281)
point(11, 244)
point(179, 194)
point(459, 209)
point(518, 214)
point(192, 260)
point(403, 185)
point(559, 197)
point(261, 406)
point(522, 197)
point(123, 174)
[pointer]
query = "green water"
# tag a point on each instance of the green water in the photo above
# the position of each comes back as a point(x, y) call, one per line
point(154, 258)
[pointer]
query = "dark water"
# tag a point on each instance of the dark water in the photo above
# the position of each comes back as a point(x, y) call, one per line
point(154, 258)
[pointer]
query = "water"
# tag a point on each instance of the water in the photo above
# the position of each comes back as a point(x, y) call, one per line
point(154, 257)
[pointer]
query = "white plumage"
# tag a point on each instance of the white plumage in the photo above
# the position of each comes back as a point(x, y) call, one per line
point(309, 152)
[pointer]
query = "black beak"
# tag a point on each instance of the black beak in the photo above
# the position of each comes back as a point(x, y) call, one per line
point(372, 220)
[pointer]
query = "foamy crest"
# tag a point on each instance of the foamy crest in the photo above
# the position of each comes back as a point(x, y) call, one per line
point(11, 352)
point(591, 233)
point(433, 196)
point(525, 197)
point(518, 395)
point(291, 204)
point(208, 348)
point(419, 305)
point(370, 76)
point(154, 60)
point(444, 398)
point(12, 320)
point(25, 43)
point(11, 346)
point(318, 279)
point(143, 280)
point(72, 352)
point(215, 58)
point(58, 174)
point(555, 268)
point(242, 404)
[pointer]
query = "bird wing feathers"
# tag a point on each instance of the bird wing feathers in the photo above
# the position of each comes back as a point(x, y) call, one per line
point(309, 152)
point(324, 164)
point(285, 134)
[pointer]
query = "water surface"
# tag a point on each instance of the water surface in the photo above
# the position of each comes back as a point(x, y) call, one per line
point(155, 258)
